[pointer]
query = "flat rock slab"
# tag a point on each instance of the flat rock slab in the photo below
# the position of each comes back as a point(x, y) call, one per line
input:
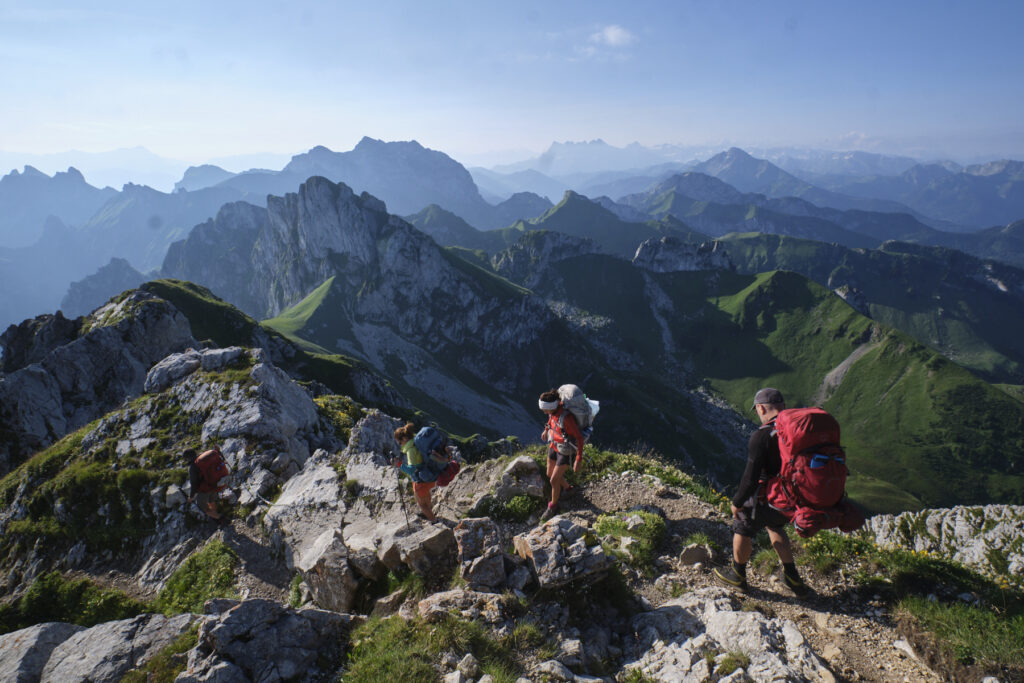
point(24, 653)
point(107, 651)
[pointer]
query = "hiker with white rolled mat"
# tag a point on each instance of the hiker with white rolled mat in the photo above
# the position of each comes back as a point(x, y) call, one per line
point(570, 423)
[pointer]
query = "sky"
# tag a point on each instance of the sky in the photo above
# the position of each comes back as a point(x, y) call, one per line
point(499, 82)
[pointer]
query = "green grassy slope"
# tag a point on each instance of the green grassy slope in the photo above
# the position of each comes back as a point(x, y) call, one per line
point(218, 321)
point(933, 294)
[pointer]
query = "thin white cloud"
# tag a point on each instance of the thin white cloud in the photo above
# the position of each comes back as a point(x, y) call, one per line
point(612, 35)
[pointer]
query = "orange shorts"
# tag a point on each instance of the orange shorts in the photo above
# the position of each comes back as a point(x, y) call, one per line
point(422, 488)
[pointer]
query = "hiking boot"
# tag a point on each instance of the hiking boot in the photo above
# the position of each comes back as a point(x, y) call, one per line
point(796, 584)
point(549, 513)
point(731, 577)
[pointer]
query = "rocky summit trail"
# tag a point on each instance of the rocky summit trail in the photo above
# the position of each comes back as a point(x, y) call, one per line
point(326, 570)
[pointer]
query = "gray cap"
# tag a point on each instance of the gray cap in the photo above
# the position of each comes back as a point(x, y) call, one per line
point(768, 395)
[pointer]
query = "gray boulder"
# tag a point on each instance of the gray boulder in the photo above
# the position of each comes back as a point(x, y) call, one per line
point(672, 640)
point(107, 651)
point(264, 641)
point(24, 653)
point(495, 479)
point(481, 560)
point(561, 552)
point(326, 571)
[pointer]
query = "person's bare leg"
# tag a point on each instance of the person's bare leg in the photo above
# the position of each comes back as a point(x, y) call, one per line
point(557, 479)
point(426, 506)
point(781, 544)
point(742, 546)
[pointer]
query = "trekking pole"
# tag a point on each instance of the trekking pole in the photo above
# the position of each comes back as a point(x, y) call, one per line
point(401, 497)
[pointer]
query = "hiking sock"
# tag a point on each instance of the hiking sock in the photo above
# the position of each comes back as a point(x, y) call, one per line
point(740, 569)
point(789, 569)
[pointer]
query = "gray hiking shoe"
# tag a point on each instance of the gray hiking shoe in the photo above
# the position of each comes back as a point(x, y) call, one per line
point(549, 513)
point(796, 584)
point(730, 577)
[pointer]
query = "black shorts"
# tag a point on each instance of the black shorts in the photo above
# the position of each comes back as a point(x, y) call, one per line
point(763, 516)
point(559, 458)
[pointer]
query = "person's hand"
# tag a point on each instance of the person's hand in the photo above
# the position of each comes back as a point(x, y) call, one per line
point(735, 511)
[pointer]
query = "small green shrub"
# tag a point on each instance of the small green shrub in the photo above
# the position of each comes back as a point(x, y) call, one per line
point(295, 591)
point(341, 412)
point(207, 574)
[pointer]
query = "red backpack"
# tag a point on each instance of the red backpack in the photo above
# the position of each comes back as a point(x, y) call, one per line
point(811, 484)
point(212, 468)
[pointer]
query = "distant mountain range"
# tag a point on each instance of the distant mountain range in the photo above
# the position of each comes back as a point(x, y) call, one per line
point(980, 196)
point(28, 198)
point(466, 338)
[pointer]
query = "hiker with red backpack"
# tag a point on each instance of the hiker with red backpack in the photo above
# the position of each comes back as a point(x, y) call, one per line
point(427, 460)
point(570, 419)
point(750, 509)
point(205, 472)
point(796, 472)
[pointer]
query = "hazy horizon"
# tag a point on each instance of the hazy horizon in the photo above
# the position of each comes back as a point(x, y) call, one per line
point(196, 81)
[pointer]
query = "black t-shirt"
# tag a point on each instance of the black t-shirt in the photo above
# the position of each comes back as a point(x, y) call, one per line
point(763, 462)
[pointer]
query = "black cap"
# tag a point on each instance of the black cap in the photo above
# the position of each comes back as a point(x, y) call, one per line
point(768, 395)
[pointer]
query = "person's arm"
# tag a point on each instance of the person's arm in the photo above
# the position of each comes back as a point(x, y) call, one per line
point(194, 481)
point(752, 473)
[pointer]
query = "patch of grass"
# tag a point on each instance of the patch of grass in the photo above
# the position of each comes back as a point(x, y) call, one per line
point(515, 509)
point(701, 538)
point(991, 632)
point(765, 561)
point(207, 574)
point(971, 634)
point(295, 591)
point(394, 649)
point(731, 662)
point(51, 597)
point(405, 580)
point(165, 665)
point(341, 412)
point(647, 534)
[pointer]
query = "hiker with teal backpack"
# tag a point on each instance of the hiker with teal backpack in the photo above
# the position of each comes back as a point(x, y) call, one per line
point(570, 423)
point(427, 460)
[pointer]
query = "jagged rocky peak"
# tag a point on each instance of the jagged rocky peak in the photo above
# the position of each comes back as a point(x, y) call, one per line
point(79, 370)
point(531, 256)
point(91, 292)
point(669, 254)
